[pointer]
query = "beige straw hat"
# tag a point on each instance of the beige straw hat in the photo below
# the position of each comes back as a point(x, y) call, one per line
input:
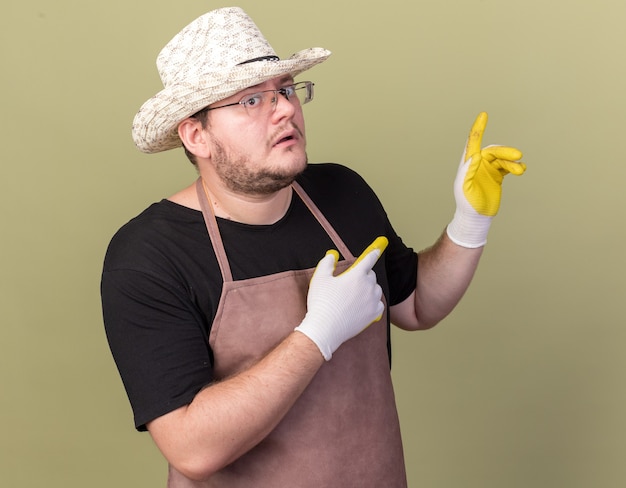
point(214, 57)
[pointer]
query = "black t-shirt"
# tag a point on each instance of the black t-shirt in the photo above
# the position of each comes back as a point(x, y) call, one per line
point(161, 282)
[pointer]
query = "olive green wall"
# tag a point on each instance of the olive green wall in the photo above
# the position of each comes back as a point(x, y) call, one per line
point(523, 385)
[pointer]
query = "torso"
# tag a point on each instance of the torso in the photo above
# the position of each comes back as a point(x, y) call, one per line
point(344, 429)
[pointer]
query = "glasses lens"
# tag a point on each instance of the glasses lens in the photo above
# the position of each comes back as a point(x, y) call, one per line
point(261, 103)
point(304, 92)
point(257, 102)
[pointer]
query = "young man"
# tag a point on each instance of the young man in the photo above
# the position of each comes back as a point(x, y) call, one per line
point(252, 342)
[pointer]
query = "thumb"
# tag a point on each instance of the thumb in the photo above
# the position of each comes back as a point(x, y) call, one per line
point(491, 153)
point(326, 266)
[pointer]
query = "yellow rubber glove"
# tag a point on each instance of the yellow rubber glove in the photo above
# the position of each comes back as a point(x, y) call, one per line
point(340, 307)
point(478, 186)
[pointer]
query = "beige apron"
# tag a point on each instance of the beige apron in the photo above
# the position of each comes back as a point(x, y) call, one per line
point(343, 431)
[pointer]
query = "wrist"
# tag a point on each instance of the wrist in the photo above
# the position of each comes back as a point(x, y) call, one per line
point(468, 228)
point(307, 347)
point(312, 333)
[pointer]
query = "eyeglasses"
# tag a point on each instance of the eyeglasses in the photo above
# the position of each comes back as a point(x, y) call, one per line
point(264, 102)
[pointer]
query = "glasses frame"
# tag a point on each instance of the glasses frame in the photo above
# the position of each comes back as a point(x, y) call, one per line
point(284, 91)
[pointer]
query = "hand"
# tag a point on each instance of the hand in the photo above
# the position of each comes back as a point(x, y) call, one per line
point(340, 307)
point(478, 186)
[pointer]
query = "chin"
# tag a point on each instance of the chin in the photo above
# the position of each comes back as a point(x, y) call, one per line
point(290, 164)
point(301, 162)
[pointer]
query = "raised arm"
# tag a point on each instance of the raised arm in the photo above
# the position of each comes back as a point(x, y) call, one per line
point(446, 269)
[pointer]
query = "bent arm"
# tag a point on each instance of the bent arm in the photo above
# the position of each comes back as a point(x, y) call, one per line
point(228, 418)
point(445, 272)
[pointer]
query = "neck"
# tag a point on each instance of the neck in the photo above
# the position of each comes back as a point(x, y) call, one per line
point(245, 208)
point(248, 209)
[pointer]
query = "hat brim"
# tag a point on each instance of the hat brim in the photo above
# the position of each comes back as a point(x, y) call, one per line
point(155, 127)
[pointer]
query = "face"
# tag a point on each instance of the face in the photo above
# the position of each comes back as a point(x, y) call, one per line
point(258, 155)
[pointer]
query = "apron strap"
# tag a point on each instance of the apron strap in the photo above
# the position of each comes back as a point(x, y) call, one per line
point(214, 233)
point(341, 247)
point(216, 238)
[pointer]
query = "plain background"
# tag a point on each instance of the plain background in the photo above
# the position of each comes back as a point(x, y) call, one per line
point(523, 385)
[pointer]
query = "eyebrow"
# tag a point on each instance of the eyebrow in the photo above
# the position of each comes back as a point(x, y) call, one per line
point(284, 79)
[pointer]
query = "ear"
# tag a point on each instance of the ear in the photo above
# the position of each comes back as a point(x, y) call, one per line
point(194, 138)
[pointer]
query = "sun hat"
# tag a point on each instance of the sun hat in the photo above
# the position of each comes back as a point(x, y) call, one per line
point(215, 56)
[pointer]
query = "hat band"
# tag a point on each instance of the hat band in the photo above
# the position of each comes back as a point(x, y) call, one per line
point(262, 58)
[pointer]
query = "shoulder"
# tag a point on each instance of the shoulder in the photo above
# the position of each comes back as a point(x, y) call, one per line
point(152, 232)
point(337, 186)
point(329, 175)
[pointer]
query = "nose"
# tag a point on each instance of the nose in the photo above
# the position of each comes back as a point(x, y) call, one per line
point(284, 107)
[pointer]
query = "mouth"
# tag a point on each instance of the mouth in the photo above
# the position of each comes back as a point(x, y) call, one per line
point(287, 137)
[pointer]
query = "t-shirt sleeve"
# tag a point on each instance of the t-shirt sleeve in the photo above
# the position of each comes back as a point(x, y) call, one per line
point(157, 341)
point(401, 266)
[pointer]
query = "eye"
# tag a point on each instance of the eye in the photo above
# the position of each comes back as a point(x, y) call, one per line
point(252, 101)
point(287, 91)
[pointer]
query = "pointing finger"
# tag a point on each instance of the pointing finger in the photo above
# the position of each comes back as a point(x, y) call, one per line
point(475, 138)
point(371, 254)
